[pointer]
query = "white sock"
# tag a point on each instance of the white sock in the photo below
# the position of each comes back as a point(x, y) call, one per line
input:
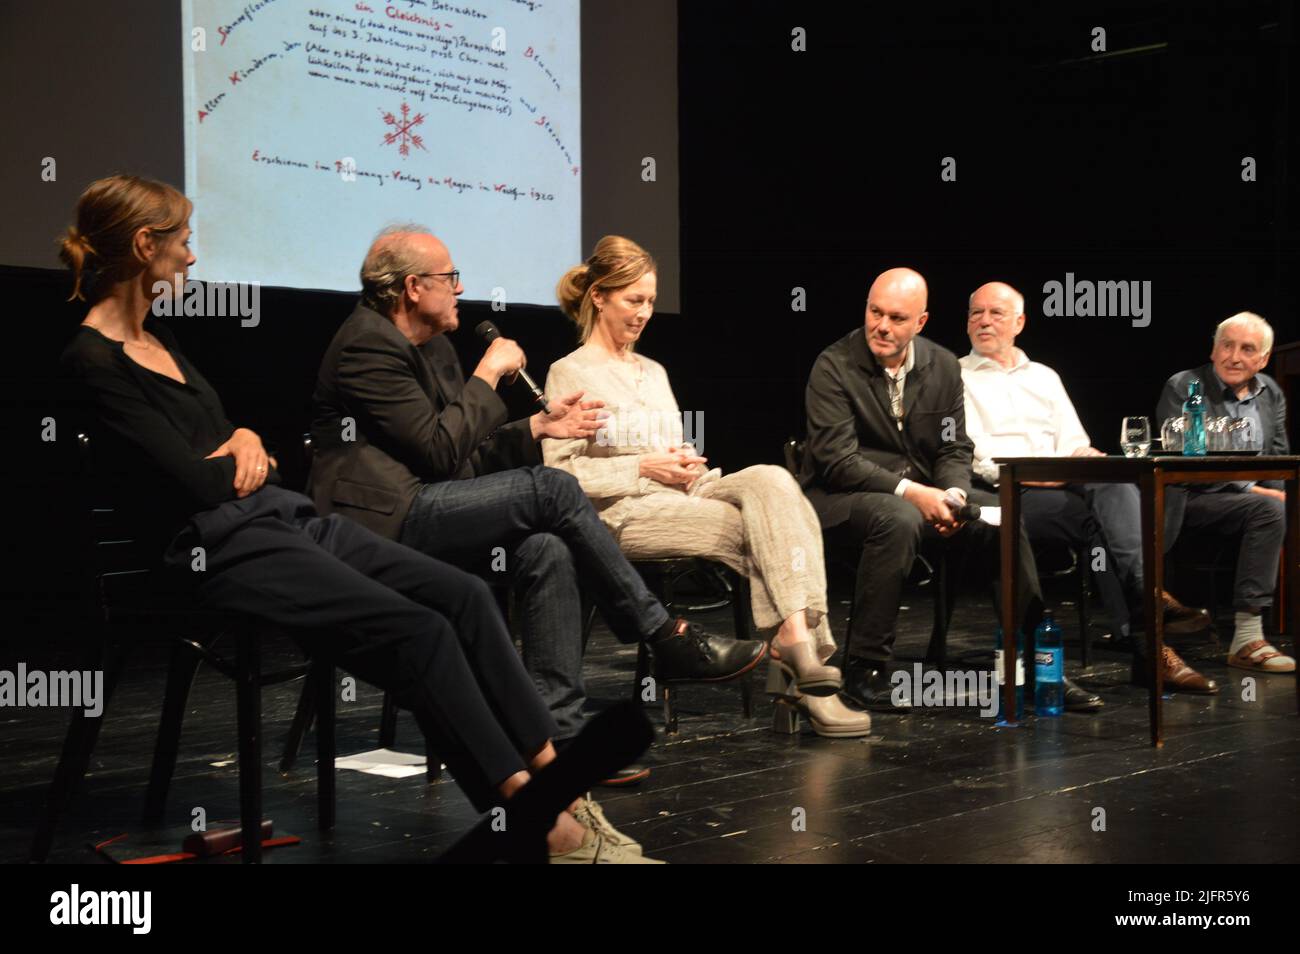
point(1246, 628)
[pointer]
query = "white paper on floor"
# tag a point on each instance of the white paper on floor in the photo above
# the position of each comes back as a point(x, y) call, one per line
point(384, 762)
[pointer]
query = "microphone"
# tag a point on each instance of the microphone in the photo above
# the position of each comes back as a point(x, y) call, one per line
point(490, 333)
point(962, 513)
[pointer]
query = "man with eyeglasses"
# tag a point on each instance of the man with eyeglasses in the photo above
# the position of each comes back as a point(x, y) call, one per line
point(1018, 408)
point(408, 447)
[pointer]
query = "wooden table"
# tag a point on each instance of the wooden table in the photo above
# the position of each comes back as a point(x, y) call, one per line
point(1152, 475)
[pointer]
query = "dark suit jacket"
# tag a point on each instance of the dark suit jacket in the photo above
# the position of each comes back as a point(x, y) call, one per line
point(417, 421)
point(1269, 399)
point(853, 442)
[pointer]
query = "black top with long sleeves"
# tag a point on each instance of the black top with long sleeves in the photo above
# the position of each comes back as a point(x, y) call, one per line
point(151, 434)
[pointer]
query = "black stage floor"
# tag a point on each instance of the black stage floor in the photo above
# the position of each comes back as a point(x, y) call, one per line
point(939, 785)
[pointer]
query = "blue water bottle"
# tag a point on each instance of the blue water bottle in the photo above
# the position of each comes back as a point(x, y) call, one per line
point(1049, 668)
point(999, 679)
point(1194, 421)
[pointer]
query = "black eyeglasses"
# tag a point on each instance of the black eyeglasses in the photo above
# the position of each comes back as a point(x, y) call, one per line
point(454, 275)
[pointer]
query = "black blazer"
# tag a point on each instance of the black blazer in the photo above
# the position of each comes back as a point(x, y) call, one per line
point(416, 421)
point(853, 442)
point(1270, 400)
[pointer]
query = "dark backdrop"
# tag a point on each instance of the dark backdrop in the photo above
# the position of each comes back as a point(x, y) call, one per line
point(818, 170)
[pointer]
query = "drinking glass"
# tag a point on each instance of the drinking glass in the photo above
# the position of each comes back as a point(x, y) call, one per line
point(1135, 437)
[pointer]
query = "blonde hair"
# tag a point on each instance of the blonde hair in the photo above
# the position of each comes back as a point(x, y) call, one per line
point(100, 247)
point(616, 263)
point(391, 258)
point(1252, 321)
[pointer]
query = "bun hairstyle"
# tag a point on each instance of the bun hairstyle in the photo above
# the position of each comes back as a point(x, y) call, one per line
point(616, 263)
point(100, 248)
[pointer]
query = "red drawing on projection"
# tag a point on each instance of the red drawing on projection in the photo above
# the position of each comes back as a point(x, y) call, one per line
point(402, 133)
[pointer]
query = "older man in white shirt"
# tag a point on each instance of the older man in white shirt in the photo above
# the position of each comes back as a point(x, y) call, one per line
point(1018, 408)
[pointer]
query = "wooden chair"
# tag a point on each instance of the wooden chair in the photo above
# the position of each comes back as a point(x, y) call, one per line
point(128, 606)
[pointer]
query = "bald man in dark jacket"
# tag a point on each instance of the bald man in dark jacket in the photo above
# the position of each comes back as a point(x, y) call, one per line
point(887, 465)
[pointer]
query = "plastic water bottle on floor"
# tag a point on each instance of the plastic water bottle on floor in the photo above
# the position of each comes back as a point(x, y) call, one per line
point(1049, 668)
point(999, 680)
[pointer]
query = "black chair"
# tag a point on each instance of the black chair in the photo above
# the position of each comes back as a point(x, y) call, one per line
point(662, 577)
point(309, 700)
point(127, 607)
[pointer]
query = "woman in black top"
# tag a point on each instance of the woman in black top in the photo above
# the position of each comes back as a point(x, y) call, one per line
point(405, 622)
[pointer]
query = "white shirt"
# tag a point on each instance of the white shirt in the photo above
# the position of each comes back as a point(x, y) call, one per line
point(1021, 411)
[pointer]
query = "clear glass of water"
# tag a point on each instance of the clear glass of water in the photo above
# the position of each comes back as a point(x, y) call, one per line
point(1243, 436)
point(1135, 437)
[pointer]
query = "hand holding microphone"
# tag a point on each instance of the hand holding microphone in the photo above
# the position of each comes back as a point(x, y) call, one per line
point(504, 359)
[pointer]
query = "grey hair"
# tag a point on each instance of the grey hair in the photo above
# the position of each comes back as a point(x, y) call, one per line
point(389, 261)
point(1247, 319)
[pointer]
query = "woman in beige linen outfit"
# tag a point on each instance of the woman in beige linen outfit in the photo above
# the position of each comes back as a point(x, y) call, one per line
point(654, 493)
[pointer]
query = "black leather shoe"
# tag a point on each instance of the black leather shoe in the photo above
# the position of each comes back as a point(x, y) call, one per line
point(1079, 699)
point(692, 655)
point(867, 686)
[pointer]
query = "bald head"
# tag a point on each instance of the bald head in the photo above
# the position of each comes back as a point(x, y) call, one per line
point(896, 313)
point(903, 285)
point(995, 317)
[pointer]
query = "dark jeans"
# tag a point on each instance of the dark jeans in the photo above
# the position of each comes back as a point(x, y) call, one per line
point(888, 531)
point(1254, 523)
point(425, 631)
point(1059, 520)
point(536, 527)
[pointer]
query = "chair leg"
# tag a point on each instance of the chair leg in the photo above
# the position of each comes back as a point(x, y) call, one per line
point(388, 722)
point(321, 682)
point(78, 746)
point(303, 717)
point(642, 670)
point(1085, 629)
point(249, 718)
point(432, 765)
point(670, 709)
point(937, 651)
point(180, 677)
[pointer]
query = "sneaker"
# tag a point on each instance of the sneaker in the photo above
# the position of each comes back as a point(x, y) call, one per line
point(592, 817)
point(595, 850)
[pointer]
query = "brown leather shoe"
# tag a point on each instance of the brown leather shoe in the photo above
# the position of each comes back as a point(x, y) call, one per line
point(1181, 620)
point(1175, 675)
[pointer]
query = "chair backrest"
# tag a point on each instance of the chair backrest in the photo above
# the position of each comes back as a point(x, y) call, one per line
point(113, 559)
point(794, 451)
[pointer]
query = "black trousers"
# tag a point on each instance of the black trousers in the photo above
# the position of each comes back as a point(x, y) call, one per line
point(405, 622)
point(1251, 525)
point(887, 532)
